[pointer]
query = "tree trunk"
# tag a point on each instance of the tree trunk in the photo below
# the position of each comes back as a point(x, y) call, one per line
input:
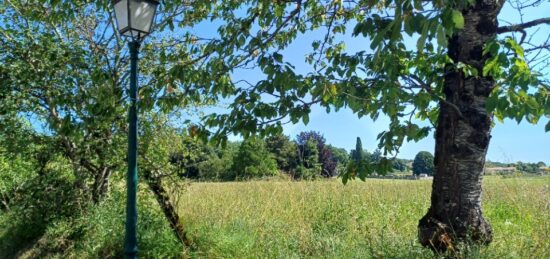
point(101, 184)
point(167, 208)
point(5, 201)
point(462, 137)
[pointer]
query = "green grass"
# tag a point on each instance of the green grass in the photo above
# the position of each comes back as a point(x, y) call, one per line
point(284, 219)
point(377, 218)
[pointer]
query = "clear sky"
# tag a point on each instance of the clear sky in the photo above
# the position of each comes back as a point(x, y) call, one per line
point(510, 142)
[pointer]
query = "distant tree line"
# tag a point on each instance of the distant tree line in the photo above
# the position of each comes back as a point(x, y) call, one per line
point(308, 156)
point(532, 168)
point(305, 157)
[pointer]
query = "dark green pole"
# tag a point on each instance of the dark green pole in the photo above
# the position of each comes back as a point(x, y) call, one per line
point(130, 245)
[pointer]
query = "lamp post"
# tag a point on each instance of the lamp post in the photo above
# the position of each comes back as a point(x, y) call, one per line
point(134, 20)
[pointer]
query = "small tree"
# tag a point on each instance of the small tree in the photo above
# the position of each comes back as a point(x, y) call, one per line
point(423, 163)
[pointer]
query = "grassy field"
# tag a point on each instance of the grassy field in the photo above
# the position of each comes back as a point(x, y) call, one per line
point(372, 219)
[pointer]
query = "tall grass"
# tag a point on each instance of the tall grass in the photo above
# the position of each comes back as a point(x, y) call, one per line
point(373, 219)
point(284, 219)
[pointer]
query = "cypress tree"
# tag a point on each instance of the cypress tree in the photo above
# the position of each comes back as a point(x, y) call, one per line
point(358, 154)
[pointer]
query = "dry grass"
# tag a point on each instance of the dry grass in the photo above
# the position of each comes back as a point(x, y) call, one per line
point(377, 218)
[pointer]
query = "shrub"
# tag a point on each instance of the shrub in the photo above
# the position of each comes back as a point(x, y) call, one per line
point(96, 232)
point(43, 201)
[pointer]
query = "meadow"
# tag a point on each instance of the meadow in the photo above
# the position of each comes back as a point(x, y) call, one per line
point(373, 219)
point(283, 219)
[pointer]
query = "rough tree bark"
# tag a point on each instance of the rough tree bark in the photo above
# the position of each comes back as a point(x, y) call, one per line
point(167, 207)
point(462, 137)
point(101, 183)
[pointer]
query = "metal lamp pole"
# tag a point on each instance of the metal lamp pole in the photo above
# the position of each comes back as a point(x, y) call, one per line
point(130, 245)
point(135, 20)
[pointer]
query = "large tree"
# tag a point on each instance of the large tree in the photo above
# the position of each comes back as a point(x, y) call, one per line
point(325, 157)
point(459, 74)
point(284, 151)
point(423, 163)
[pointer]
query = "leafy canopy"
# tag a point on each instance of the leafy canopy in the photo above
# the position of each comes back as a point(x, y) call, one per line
point(390, 77)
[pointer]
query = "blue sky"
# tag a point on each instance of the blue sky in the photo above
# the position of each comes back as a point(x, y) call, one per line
point(510, 142)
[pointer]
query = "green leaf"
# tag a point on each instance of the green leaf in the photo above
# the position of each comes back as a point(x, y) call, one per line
point(422, 40)
point(458, 19)
point(377, 39)
point(532, 103)
point(305, 118)
point(547, 128)
point(441, 37)
point(492, 102)
point(278, 57)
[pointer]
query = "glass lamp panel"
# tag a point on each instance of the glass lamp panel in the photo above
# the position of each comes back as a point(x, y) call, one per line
point(121, 13)
point(127, 33)
point(142, 15)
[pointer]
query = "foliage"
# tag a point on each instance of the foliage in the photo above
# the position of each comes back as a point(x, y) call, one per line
point(189, 160)
point(399, 165)
point(284, 151)
point(305, 142)
point(309, 159)
point(423, 163)
point(363, 163)
point(61, 65)
point(98, 233)
point(253, 160)
point(340, 156)
point(218, 167)
point(20, 158)
point(489, 163)
point(358, 153)
point(42, 201)
point(532, 168)
point(64, 67)
point(389, 77)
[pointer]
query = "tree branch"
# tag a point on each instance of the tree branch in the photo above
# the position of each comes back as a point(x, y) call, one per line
point(523, 26)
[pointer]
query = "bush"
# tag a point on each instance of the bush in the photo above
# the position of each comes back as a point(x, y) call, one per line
point(399, 165)
point(43, 201)
point(531, 168)
point(188, 161)
point(103, 229)
point(423, 163)
point(305, 173)
point(96, 232)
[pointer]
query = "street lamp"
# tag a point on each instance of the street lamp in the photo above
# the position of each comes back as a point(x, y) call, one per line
point(134, 20)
